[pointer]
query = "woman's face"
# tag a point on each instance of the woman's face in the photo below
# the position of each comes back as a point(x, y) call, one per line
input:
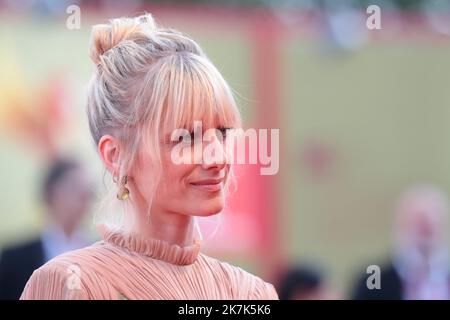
point(194, 187)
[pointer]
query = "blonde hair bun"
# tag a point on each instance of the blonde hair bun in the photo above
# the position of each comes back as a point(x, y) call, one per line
point(106, 36)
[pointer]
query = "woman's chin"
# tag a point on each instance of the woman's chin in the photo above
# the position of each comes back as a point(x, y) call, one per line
point(211, 209)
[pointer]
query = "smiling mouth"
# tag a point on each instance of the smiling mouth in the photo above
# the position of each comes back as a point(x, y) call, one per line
point(211, 185)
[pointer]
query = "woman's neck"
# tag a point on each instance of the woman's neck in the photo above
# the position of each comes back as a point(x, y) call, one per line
point(171, 227)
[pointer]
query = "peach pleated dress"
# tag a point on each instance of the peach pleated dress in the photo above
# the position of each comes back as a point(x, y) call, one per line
point(131, 267)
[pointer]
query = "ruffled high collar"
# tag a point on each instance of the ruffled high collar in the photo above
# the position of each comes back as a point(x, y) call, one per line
point(154, 248)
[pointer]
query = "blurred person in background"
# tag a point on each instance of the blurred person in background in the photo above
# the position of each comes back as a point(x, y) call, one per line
point(304, 282)
point(67, 192)
point(419, 267)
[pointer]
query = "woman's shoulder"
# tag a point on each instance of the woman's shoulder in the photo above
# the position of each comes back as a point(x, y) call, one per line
point(84, 258)
point(66, 276)
point(246, 284)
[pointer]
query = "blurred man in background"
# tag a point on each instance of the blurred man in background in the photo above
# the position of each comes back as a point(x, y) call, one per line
point(304, 282)
point(67, 193)
point(419, 267)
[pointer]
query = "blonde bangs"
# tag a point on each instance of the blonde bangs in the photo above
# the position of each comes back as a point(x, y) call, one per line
point(198, 92)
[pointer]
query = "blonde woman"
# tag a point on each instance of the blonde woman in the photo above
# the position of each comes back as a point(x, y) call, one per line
point(149, 82)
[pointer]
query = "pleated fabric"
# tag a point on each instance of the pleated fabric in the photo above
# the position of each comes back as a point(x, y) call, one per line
point(131, 267)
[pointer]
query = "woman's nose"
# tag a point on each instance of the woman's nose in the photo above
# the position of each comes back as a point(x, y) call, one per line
point(214, 153)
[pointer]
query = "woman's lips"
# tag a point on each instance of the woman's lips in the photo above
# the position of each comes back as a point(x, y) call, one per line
point(212, 185)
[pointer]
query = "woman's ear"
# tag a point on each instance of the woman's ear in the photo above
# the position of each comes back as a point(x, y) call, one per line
point(108, 148)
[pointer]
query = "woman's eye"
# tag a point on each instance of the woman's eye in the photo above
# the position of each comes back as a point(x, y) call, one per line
point(190, 138)
point(187, 138)
point(224, 131)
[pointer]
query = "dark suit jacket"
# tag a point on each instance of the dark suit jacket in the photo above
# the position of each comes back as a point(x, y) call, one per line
point(391, 286)
point(16, 266)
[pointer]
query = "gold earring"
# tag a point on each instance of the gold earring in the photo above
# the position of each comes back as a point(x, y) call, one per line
point(123, 193)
